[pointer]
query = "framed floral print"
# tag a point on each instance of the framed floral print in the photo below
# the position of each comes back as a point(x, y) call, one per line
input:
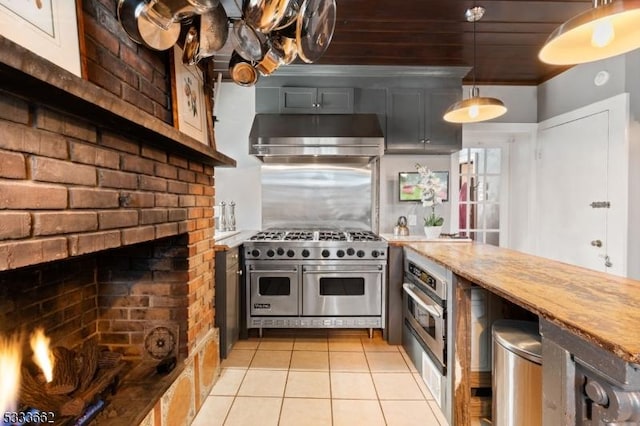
point(48, 28)
point(189, 106)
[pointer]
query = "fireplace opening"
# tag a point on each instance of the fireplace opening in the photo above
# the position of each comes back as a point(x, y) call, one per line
point(116, 325)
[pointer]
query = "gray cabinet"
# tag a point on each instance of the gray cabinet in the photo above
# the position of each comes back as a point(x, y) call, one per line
point(227, 298)
point(311, 100)
point(415, 124)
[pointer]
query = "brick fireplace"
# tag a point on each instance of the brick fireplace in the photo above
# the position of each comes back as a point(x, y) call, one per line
point(69, 190)
point(106, 216)
point(104, 237)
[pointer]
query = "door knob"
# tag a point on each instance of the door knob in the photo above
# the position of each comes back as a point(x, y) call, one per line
point(239, 272)
point(596, 243)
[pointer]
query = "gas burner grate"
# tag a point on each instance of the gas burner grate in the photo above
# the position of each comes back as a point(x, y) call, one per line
point(331, 236)
point(363, 236)
point(299, 236)
point(268, 236)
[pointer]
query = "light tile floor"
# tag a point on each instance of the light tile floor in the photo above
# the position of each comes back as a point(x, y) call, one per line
point(318, 377)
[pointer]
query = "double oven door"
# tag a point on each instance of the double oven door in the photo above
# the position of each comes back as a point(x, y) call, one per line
point(280, 289)
point(341, 289)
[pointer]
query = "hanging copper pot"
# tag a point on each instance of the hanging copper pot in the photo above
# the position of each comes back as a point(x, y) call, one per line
point(315, 25)
point(242, 71)
point(249, 43)
point(135, 20)
point(264, 15)
point(214, 31)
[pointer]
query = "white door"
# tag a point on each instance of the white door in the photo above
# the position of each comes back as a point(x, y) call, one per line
point(571, 174)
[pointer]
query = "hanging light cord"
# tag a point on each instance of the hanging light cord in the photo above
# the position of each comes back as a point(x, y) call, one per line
point(474, 52)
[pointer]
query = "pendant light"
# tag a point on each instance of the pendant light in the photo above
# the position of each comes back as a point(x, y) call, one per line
point(609, 29)
point(476, 108)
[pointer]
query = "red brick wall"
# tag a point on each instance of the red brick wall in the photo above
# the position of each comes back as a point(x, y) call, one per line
point(59, 296)
point(134, 73)
point(140, 287)
point(68, 189)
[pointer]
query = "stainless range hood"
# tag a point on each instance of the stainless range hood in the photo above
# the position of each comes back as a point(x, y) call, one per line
point(316, 138)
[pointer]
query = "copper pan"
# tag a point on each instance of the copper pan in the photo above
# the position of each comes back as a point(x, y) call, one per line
point(264, 15)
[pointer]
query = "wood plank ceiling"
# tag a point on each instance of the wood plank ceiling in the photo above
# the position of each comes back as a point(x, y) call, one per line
point(436, 33)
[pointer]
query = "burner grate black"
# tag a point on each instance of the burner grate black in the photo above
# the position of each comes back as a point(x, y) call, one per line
point(268, 236)
point(299, 236)
point(331, 236)
point(363, 236)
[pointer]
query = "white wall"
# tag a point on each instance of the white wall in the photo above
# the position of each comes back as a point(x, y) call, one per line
point(391, 208)
point(575, 88)
point(234, 112)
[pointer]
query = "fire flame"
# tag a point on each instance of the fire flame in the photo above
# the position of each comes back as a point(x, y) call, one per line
point(10, 361)
point(41, 354)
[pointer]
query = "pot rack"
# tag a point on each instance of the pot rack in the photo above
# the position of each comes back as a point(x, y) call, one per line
point(268, 34)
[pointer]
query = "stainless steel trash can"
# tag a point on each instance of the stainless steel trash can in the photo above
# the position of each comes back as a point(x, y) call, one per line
point(517, 374)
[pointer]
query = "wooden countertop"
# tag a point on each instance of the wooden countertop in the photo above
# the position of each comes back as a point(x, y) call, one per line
point(601, 308)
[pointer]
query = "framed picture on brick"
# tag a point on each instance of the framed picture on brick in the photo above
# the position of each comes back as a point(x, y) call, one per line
point(48, 28)
point(187, 93)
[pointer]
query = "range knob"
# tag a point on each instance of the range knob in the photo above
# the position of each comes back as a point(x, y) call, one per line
point(325, 253)
point(360, 253)
point(271, 253)
point(351, 251)
point(280, 251)
point(255, 253)
point(375, 253)
point(340, 253)
point(290, 253)
point(305, 253)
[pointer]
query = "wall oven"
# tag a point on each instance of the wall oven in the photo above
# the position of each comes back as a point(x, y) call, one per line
point(425, 319)
point(426, 325)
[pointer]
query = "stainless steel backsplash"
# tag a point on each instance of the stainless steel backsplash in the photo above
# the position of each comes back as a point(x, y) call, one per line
point(320, 196)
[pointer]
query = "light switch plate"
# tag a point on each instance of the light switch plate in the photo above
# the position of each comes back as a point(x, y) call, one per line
point(411, 221)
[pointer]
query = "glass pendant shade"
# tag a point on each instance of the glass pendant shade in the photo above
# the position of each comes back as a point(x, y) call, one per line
point(609, 29)
point(475, 109)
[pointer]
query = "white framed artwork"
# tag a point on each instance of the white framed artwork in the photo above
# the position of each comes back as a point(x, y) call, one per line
point(48, 28)
point(189, 107)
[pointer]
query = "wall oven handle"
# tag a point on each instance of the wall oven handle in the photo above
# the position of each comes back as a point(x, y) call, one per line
point(408, 288)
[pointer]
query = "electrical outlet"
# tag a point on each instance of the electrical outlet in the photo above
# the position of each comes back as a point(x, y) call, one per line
point(412, 220)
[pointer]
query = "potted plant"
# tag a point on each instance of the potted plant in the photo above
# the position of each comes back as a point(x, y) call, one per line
point(431, 188)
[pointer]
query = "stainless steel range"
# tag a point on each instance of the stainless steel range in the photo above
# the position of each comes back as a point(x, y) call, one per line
point(315, 279)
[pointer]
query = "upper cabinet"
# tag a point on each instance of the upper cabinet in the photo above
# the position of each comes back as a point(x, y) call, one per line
point(311, 100)
point(415, 124)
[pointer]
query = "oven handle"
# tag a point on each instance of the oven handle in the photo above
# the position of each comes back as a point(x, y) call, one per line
point(408, 288)
point(271, 271)
point(340, 270)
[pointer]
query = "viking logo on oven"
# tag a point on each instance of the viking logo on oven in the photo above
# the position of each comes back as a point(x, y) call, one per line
point(262, 306)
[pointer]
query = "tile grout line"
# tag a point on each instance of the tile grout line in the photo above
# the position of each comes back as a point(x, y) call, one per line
point(235, 397)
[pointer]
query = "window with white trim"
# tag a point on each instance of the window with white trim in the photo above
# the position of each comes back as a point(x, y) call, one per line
point(479, 197)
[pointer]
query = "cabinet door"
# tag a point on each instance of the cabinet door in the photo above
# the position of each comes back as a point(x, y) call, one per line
point(372, 101)
point(444, 137)
point(233, 304)
point(335, 100)
point(405, 120)
point(301, 100)
point(311, 100)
